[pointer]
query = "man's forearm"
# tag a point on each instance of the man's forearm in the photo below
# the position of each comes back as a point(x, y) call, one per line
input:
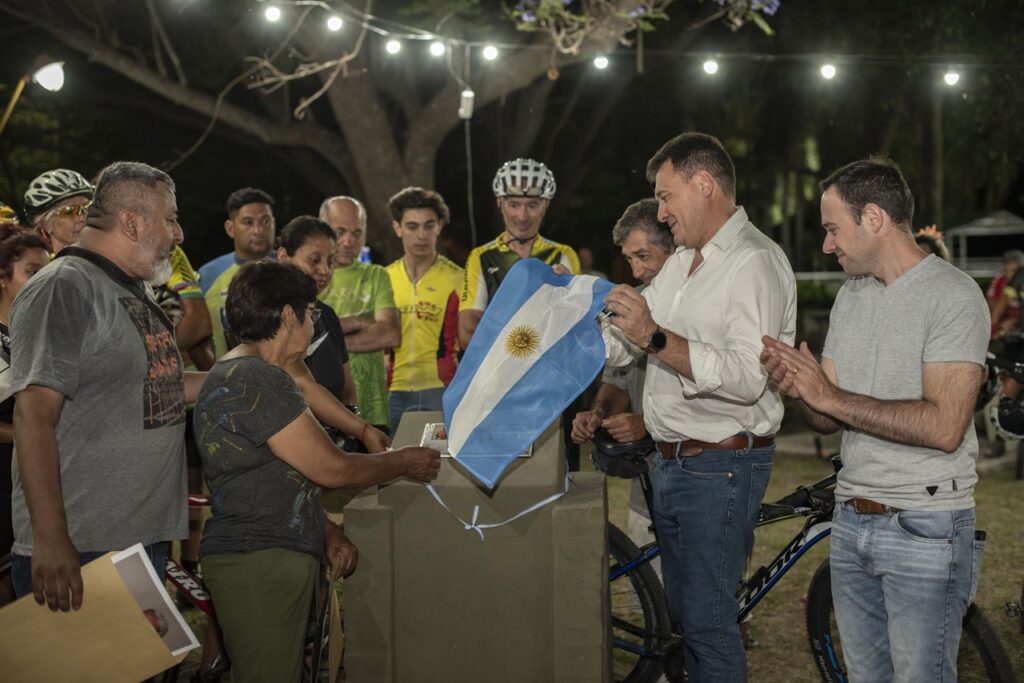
point(194, 326)
point(912, 422)
point(378, 336)
point(823, 424)
point(676, 354)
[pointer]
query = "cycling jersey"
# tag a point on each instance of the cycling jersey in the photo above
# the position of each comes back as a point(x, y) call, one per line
point(184, 281)
point(216, 296)
point(428, 308)
point(487, 265)
point(361, 290)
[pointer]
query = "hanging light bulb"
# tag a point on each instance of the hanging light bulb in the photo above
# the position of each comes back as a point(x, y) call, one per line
point(828, 71)
point(466, 104)
point(50, 76)
point(951, 77)
point(710, 67)
point(490, 53)
point(601, 62)
point(437, 48)
point(393, 47)
point(272, 13)
point(334, 23)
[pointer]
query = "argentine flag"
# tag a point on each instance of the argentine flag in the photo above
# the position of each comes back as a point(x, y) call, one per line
point(537, 347)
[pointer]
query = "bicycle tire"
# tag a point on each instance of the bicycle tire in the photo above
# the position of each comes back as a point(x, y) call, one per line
point(639, 614)
point(982, 656)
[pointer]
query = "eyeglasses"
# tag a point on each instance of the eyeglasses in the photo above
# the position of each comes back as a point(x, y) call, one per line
point(314, 314)
point(75, 210)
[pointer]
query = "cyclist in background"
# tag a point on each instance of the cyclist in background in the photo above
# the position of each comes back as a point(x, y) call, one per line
point(250, 225)
point(426, 287)
point(55, 204)
point(523, 189)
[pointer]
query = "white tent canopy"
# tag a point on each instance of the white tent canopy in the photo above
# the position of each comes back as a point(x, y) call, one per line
point(998, 224)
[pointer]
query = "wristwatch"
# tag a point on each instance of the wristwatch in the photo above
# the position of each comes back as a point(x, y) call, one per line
point(657, 341)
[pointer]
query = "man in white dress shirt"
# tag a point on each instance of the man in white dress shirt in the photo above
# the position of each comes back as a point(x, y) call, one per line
point(707, 400)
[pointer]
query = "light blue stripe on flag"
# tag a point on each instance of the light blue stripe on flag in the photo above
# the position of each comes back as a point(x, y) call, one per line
point(537, 347)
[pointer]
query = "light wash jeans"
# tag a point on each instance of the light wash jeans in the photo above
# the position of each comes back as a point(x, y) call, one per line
point(401, 401)
point(901, 584)
point(705, 509)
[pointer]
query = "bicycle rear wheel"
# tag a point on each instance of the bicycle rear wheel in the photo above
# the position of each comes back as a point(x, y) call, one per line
point(641, 626)
point(981, 656)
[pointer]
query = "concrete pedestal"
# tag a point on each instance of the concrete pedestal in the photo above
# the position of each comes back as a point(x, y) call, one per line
point(431, 602)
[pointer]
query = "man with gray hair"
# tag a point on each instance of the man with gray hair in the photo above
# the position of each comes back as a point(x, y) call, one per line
point(101, 392)
point(646, 244)
point(360, 293)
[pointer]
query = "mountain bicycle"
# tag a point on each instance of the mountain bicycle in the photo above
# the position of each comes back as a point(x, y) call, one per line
point(645, 644)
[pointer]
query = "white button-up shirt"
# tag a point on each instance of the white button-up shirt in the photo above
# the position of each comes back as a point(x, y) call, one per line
point(743, 289)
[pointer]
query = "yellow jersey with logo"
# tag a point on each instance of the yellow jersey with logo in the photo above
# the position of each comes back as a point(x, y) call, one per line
point(430, 326)
point(487, 265)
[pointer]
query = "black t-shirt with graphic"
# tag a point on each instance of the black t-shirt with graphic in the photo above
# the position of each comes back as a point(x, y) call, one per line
point(259, 501)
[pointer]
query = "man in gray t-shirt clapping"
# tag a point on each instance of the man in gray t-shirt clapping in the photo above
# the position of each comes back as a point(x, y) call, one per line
point(900, 372)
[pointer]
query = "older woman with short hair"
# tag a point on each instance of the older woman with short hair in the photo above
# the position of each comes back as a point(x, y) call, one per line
point(265, 458)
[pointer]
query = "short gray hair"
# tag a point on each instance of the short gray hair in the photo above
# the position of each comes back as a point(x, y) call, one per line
point(643, 216)
point(360, 209)
point(118, 185)
point(1014, 256)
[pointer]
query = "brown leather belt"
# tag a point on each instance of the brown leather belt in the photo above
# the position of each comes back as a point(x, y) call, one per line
point(870, 507)
point(670, 450)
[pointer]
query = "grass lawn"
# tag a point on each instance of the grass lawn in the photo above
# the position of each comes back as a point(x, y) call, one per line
point(782, 653)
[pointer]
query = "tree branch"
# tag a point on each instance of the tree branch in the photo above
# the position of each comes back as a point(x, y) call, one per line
point(165, 41)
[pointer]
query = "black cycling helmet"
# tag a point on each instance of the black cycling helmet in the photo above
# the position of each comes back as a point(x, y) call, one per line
point(53, 186)
point(618, 459)
point(1008, 418)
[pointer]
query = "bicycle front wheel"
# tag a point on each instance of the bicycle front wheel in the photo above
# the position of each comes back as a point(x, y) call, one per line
point(981, 656)
point(641, 627)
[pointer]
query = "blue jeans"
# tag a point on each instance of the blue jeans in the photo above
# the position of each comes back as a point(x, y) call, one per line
point(901, 584)
point(705, 509)
point(21, 565)
point(401, 401)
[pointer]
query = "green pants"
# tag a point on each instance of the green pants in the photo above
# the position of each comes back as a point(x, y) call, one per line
point(262, 600)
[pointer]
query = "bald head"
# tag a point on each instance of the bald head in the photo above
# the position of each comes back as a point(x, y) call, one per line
point(347, 217)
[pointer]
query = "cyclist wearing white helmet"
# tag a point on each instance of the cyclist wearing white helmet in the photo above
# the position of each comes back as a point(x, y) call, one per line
point(523, 188)
point(56, 203)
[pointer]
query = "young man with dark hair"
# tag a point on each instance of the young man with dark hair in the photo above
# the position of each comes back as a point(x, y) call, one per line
point(707, 401)
point(899, 374)
point(426, 288)
point(250, 224)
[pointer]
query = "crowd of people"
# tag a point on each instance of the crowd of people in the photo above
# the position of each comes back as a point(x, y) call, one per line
point(133, 379)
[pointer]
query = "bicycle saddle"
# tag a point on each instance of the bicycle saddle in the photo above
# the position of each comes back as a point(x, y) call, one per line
point(620, 459)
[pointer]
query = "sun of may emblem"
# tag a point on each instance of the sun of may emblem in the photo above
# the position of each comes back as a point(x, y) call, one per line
point(522, 341)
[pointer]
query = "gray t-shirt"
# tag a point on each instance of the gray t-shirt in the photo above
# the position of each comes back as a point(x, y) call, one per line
point(121, 432)
point(879, 337)
point(259, 500)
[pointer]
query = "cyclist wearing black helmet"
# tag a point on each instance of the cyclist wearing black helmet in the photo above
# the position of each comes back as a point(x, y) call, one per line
point(523, 188)
point(56, 203)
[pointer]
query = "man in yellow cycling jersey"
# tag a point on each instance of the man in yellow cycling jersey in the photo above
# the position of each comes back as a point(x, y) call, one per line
point(523, 188)
point(426, 287)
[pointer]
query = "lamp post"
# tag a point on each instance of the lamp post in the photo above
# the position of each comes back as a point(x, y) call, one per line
point(50, 75)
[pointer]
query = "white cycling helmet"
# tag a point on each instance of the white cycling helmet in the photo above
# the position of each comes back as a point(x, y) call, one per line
point(53, 186)
point(524, 178)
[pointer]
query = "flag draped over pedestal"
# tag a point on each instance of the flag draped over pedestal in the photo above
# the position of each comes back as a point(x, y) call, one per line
point(537, 347)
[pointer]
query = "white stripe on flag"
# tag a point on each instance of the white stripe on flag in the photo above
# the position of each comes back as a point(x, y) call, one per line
point(500, 371)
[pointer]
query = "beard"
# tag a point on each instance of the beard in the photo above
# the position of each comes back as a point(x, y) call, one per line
point(162, 271)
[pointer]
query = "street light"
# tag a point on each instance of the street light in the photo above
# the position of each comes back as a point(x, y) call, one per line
point(50, 76)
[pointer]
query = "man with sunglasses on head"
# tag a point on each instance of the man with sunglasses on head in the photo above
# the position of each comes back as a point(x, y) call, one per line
point(55, 205)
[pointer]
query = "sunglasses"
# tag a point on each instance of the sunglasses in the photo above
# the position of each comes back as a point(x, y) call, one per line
point(75, 210)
